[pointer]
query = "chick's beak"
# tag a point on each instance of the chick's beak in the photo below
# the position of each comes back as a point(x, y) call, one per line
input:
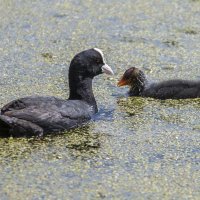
point(122, 82)
point(107, 69)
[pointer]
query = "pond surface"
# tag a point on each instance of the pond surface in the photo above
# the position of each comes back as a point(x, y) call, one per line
point(135, 148)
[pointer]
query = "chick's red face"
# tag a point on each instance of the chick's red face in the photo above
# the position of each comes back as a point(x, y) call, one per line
point(127, 77)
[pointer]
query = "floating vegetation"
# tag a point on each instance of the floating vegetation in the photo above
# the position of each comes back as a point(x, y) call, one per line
point(48, 56)
point(171, 43)
point(139, 148)
point(189, 31)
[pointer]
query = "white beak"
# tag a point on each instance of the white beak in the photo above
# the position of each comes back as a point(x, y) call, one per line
point(107, 69)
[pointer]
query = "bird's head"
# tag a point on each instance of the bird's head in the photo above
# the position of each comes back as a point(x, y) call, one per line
point(130, 77)
point(90, 63)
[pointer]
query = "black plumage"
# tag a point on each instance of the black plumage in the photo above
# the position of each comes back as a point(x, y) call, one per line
point(170, 89)
point(38, 115)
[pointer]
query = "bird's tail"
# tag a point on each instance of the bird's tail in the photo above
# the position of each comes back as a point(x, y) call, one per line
point(5, 126)
point(11, 126)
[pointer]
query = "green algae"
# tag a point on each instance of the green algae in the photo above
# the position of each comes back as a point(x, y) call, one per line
point(190, 31)
point(138, 148)
point(170, 43)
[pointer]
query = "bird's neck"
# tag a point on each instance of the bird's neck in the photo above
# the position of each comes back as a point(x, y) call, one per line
point(139, 85)
point(81, 89)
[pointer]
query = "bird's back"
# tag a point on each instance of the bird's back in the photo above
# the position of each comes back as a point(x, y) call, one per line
point(49, 113)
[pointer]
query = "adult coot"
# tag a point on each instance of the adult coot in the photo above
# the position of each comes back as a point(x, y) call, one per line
point(170, 89)
point(38, 115)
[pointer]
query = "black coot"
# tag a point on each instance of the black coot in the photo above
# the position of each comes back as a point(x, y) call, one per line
point(38, 115)
point(170, 89)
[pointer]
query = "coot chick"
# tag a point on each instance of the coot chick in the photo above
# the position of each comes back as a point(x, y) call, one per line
point(170, 89)
point(38, 115)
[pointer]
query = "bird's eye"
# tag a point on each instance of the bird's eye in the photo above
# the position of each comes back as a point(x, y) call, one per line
point(98, 61)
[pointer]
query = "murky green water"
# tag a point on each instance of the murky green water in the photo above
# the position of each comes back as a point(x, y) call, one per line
point(136, 148)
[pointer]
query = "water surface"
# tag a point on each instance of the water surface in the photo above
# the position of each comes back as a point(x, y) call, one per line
point(135, 148)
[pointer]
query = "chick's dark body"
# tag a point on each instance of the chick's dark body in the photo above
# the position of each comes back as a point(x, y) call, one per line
point(173, 89)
